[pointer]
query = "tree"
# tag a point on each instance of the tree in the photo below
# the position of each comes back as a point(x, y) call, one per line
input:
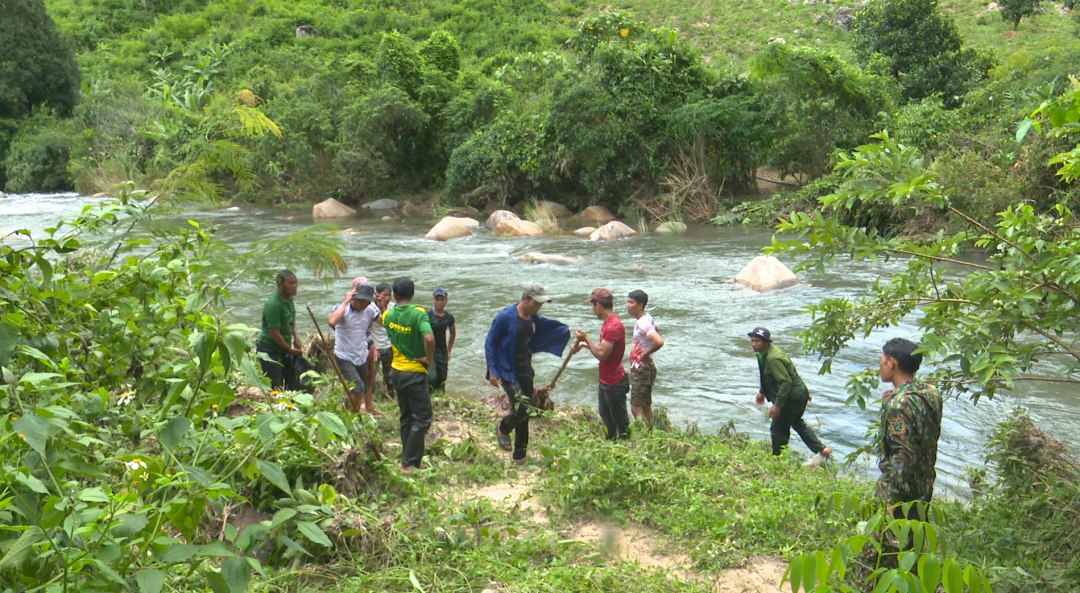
point(1014, 10)
point(37, 66)
point(987, 324)
point(913, 42)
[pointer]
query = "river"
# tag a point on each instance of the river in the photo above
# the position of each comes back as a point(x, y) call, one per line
point(707, 371)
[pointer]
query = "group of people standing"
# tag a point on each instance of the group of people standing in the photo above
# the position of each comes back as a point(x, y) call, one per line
point(412, 344)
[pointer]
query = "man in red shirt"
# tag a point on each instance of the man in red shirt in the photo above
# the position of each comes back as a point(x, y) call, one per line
point(614, 382)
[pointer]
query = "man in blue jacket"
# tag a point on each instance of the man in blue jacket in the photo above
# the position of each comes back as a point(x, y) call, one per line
point(516, 333)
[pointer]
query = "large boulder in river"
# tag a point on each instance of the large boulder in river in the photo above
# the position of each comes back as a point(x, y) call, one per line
point(534, 257)
point(448, 228)
point(331, 209)
point(499, 216)
point(671, 228)
point(519, 228)
point(556, 210)
point(765, 273)
point(612, 231)
point(472, 223)
point(597, 213)
point(584, 231)
point(383, 204)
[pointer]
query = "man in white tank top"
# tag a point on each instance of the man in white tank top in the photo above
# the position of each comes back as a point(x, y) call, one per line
point(642, 370)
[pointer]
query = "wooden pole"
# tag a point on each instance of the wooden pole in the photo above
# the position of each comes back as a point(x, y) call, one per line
point(330, 354)
point(551, 385)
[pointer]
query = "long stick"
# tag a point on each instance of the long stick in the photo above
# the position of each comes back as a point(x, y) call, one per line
point(330, 355)
point(551, 385)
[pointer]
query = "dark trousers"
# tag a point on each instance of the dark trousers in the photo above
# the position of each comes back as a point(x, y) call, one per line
point(517, 420)
point(280, 369)
point(414, 401)
point(612, 404)
point(386, 358)
point(791, 417)
point(437, 372)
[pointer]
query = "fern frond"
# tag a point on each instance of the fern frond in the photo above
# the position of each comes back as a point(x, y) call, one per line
point(317, 249)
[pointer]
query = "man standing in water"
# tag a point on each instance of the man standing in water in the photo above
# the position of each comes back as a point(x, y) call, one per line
point(642, 370)
point(278, 325)
point(614, 382)
point(382, 342)
point(351, 322)
point(781, 385)
point(409, 330)
point(516, 333)
point(441, 321)
point(909, 431)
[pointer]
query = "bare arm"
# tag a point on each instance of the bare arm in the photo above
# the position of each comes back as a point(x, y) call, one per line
point(277, 338)
point(339, 312)
point(601, 351)
point(657, 343)
point(450, 342)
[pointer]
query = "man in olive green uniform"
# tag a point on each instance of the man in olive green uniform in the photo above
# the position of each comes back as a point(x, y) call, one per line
point(910, 427)
point(781, 385)
point(278, 327)
point(409, 330)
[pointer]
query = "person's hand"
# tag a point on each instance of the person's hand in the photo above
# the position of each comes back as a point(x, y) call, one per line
point(296, 351)
point(774, 412)
point(888, 393)
point(375, 355)
point(349, 295)
point(424, 361)
point(760, 399)
point(580, 335)
point(296, 343)
point(495, 381)
point(577, 346)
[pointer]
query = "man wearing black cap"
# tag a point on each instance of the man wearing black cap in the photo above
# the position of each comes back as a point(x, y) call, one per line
point(614, 382)
point(351, 322)
point(781, 385)
point(441, 321)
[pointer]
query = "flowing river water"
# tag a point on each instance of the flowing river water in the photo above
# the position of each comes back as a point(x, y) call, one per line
point(707, 371)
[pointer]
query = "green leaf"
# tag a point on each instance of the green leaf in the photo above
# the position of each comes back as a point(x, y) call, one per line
point(332, 422)
point(150, 581)
point(251, 535)
point(31, 482)
point(415, 582)
point(237, 574)
point(173, 432)
point(929, 572)
point(95, 494)
point(314, 533)
point(178, 553)
point(9, 340)
point(128, 524)
point(282, 516)
point(795, 573)
point(271, 471)
point(251, 375)
point(216, 549)
point(953, 580)
point(35, 430)
point(292, 545)
point(77, 466)
point(22, 549)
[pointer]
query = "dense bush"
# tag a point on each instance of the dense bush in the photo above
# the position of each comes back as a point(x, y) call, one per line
point(37, 159)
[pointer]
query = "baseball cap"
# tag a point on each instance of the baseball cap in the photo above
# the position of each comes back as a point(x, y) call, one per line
point(363, 292)
point(600, 295)
point(761, 332)
point(440, 292)
point(535, 291)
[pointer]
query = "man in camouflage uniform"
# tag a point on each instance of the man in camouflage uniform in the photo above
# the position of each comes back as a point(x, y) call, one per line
point(910, 427)
point(909, 431)
point(781, 385)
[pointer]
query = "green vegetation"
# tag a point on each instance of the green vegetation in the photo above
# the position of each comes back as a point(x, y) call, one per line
point(137, 432)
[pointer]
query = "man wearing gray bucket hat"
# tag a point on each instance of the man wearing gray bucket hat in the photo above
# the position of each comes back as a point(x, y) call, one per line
point(351, 321)
point(781, 385)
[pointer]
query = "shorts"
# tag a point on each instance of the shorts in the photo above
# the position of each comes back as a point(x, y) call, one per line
point(641, 381)
point(355, 375)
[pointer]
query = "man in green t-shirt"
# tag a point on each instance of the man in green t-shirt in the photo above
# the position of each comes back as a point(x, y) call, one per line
point(278, 325)
point(409, 329)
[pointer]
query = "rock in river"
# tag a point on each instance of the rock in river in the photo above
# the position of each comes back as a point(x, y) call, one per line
point(448, 228)
point(612, 231)
point(499, 216)
point(519, 228)
point(585, 231)
point(331, 208)
point(383, 204)
point(672, 228)
point(534, 257)
point(597, 213)
point(765, 273)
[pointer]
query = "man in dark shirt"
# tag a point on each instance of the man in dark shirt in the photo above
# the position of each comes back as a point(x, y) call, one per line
point(516, 333)
point(614, 382)
point(781, 385)
point(441, 321)
point(278, 326)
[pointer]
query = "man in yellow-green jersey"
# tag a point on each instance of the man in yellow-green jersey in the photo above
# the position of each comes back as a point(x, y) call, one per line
point(409, 329)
